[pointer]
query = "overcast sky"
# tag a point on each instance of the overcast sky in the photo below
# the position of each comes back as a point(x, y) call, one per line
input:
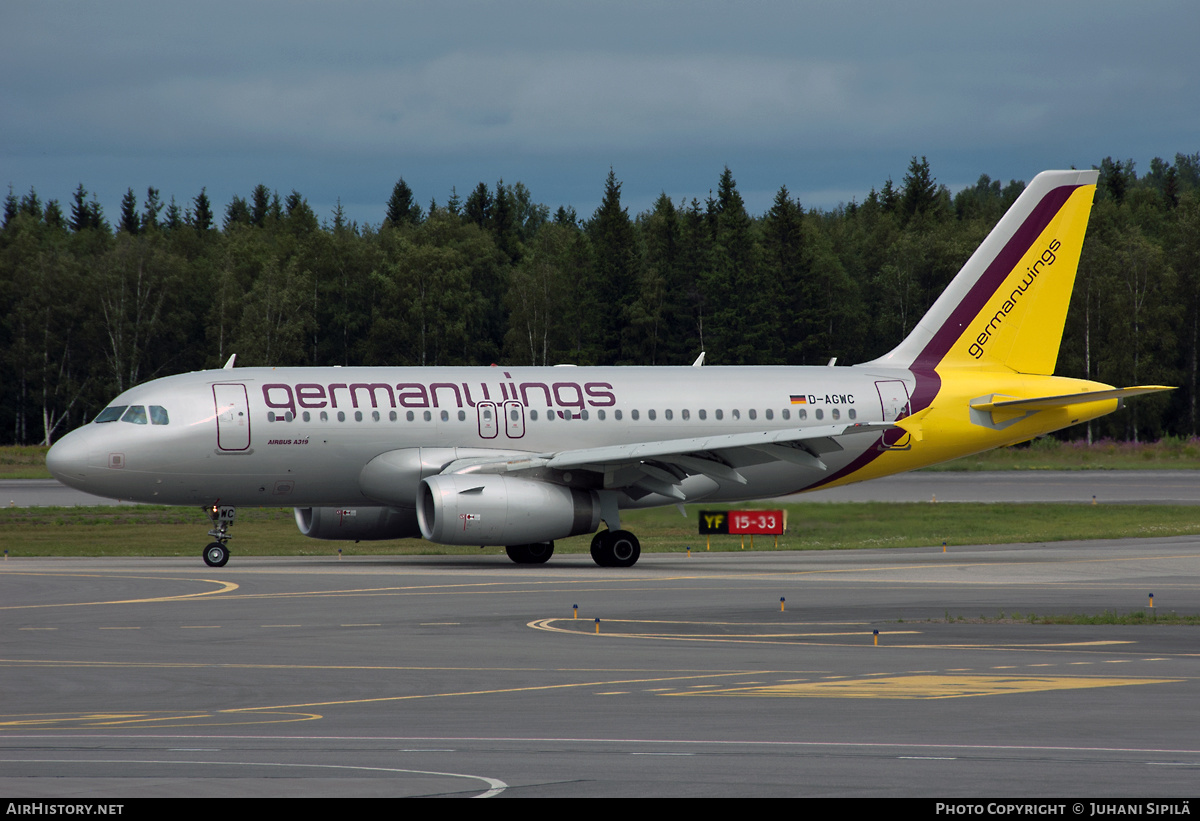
point(340, 99)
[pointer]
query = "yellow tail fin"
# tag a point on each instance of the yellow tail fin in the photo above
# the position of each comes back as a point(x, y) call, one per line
point(1007, 306)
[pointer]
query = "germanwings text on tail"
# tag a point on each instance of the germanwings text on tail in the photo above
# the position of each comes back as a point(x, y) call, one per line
point(520, 457)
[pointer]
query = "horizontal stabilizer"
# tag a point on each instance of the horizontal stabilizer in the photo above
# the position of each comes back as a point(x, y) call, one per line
point(1000, 403)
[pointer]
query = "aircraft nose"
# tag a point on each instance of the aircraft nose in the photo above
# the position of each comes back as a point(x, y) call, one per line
point(68, 459)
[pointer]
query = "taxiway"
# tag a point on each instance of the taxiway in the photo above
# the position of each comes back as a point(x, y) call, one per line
point(473, 676)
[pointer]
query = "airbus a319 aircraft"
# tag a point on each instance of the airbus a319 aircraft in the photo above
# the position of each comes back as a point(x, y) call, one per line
point(520, 457)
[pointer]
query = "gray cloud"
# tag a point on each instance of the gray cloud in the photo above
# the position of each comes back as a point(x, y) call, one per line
point(819, 96)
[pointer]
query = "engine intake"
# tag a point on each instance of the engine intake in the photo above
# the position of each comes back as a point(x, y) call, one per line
point(486, 509)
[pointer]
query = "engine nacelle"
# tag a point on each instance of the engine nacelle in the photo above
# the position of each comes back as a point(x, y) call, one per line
point(358, 523)
point(486, 509)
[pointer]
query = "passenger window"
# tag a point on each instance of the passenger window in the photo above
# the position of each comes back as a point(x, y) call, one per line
point(375, 415)
point(462, 416)
point(533, 415)
point(409, 416)
point(820, 414)
point(770, 414)
point(600, 415)
point(633, 415)
point(787, 414)
point(111, 414)
point(836, 413)
point(324, 416)
point(136, 414)
point(391, 416)
point(653, 415)
point(686, 414)
point(720, 414)
point(307, 416)
point(158, 415)
point(802, 414)
point(852, 413)
point(737, 414)
point(341, 416)
point(428, 416)
point(617, 415)
point(753, 413)
point(703, 415)
point(445, 416)
point(358, 416)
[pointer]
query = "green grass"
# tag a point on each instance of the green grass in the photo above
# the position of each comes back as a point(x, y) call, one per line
point(23, 462)
point(1170, 453)
point(164, 531)
point(1137, 617)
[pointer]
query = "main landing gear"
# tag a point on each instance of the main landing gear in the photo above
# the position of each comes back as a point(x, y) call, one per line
point(536, 553)
point(615, 548)
point(217, 554)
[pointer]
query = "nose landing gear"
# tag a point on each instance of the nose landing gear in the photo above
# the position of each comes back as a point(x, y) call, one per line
point(217, 554)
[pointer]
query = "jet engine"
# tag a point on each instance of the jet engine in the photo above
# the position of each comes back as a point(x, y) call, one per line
point(487, 509)
point(357, 523)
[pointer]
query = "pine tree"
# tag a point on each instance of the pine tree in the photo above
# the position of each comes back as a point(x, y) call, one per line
point(615, 283)
point(31, 205)
point(402, 208)
point(479, 206)
point(53, 215)
point(174, 218)
point(300, 217)
point(201, 214)
point(129, 223)
point(260, 199)
point(80, 216)
point(503, 223)
point(237, 213)
point(12, 207)
point(150, 212)
point(920, 189)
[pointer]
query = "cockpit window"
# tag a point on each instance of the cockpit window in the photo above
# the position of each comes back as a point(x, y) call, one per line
point(136, 414)
point(111, 414)
point(158, 415)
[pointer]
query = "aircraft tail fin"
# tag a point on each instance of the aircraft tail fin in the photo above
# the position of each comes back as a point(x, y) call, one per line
point(1007, 306)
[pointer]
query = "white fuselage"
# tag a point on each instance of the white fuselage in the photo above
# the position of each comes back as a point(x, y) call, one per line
point(302, 436)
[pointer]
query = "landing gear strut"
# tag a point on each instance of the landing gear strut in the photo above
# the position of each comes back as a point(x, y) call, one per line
point(217, 554)
point(615, 548)
point(536, 553)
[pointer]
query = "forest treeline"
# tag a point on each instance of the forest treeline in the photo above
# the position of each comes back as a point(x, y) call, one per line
point(92, 307)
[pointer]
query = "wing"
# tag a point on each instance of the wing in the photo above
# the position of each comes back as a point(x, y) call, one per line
point(661, 466)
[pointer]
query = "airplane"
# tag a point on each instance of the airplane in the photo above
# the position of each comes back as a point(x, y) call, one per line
point(521, 456)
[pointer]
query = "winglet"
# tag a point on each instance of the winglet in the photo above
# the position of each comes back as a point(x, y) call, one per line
point(229, 365)
point(1006, 308)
